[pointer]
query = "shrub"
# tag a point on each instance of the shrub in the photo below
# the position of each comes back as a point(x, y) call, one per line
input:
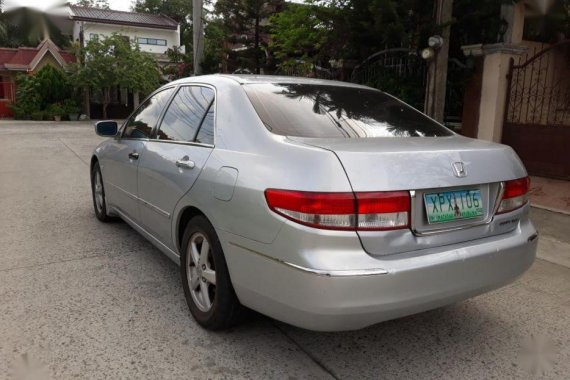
point(54, 110)
point(53, 86)
point(37, 115)
point(27, 97)
point(46, 90)
point(71, 106)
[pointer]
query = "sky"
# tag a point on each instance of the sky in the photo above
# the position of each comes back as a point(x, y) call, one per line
point(120, 5)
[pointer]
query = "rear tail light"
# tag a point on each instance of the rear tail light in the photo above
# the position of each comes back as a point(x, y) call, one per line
point(515, 195)
point(322, 210)
point(342, 211)
point(383, 211)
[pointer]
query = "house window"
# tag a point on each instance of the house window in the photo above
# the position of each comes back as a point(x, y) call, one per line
point(151, 41)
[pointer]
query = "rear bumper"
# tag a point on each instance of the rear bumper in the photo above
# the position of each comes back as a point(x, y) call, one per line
point(410, 283)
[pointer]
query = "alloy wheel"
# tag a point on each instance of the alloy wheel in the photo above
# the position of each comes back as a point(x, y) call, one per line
point(200, 271)
point(98, 189)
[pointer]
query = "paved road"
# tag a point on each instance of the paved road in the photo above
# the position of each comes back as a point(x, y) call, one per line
point(83, 299)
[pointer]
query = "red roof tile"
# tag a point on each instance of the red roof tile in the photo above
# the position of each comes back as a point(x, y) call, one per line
point(24, 56)
point(6, 55)
point(67, 56)
point(21, 58)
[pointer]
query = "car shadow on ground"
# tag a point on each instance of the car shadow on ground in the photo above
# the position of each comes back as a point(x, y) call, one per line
point(459, 340)
point(427, 345)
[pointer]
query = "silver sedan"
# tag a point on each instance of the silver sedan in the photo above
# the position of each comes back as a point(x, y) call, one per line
point(326, 205)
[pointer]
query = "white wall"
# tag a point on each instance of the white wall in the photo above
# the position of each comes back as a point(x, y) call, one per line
point(172, 37)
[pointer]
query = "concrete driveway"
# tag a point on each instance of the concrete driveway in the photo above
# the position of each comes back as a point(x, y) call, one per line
point(82, 299)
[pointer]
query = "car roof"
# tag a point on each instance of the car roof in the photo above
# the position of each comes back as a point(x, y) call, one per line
point(244, 79)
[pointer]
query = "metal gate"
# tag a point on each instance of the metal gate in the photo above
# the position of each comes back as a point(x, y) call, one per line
point(537, 115)
point(398, 71)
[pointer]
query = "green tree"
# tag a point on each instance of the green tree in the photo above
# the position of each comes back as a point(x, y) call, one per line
point(248, 18)
point(53, 86)
point(298, 32)
point(213, 46)
point(115, 62)
point(102, 4)
point(350, 29)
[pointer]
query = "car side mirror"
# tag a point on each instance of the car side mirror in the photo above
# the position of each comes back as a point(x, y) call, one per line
point(106, 128)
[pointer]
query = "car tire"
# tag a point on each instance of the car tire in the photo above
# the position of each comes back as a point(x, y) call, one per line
point(98, 194)
point(205, 278)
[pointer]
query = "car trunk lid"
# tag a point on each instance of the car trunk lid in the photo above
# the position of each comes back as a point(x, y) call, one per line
point(424, 165)
point(388, 164)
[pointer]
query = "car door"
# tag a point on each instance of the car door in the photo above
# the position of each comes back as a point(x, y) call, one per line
point(172, 161)
point(123, 155)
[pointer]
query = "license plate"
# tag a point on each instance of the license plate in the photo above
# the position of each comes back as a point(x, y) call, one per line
point(453, 205)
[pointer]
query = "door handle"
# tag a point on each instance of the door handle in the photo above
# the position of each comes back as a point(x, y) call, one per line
point(134, 156)
point(185, 163)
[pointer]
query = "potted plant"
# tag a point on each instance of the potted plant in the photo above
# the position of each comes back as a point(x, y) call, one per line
point(55, 111)
point(72, 109)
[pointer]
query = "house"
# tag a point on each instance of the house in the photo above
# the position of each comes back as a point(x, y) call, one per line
point(154, 33)
point(26, 60)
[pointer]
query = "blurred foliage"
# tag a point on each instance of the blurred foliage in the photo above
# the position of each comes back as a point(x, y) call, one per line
point(28, 27)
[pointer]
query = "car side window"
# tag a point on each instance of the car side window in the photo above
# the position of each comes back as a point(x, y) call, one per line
point(206, 132)
point(186, 113)
point(142, 122)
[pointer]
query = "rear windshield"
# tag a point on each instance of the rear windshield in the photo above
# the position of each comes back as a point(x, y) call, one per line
point(308, 110)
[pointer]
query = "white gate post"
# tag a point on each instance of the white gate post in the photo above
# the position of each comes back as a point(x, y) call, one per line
point(496, 62)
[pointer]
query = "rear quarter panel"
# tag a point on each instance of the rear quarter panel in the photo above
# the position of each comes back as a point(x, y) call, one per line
point(262, 160)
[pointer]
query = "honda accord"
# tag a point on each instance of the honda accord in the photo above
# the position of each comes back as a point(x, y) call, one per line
point(326, 205)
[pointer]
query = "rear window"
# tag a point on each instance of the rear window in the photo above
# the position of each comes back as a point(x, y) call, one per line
point(308, 110)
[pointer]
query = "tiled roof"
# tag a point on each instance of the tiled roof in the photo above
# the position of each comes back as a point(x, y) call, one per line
point(6, 55)
point(67, 57)
point(107, 16)
point(25, 58)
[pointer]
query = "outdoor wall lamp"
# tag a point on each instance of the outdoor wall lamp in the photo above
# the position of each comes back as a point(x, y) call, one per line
point(435, 42)
point(428, 54)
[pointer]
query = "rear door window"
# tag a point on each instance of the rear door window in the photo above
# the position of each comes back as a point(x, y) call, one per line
point(206, 133)
point(328, 111)
point(188, 110)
